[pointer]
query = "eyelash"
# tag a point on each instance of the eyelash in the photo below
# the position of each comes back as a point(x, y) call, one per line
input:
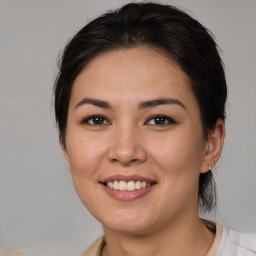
point(161, 118)
point(94, 118)
point(99, 120)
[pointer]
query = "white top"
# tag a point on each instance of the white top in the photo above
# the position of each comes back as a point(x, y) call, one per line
point(236, 244)
point(227, 242)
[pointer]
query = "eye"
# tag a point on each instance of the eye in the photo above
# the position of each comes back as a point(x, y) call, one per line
point(96, 120)
point(160, 120)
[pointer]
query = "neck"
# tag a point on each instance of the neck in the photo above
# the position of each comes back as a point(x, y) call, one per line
point(190, 238)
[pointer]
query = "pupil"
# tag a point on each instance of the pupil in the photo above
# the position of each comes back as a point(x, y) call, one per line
point(98, 120)
point(160, 120)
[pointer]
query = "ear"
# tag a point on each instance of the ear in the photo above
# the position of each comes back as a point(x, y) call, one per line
point(213, 146)
point(64, 150)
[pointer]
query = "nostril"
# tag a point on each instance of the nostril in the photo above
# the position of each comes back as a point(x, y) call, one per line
point(125, 162)
point(127, 151)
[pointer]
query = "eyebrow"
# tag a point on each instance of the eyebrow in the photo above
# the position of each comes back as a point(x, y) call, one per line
point(161, 101)
point(142, 105)
point(95, 102)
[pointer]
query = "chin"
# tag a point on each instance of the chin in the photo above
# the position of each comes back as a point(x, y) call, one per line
point(127, 229)
point(129, 225)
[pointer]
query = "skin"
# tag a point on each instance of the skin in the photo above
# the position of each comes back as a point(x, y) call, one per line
point(129, 141)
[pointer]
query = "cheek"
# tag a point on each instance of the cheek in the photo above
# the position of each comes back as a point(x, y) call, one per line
point(85, 158)
point(85, 154)
point(178, 151)
point(178, 159)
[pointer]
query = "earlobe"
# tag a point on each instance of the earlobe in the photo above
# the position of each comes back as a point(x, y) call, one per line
point(214, 146)
point(64, 150)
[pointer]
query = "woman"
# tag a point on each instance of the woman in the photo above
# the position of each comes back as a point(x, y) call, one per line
point(140, 105)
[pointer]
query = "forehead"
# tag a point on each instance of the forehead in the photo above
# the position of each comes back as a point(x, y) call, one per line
point(137, 73)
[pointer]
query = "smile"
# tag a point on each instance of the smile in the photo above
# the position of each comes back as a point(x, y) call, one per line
point(128, 186)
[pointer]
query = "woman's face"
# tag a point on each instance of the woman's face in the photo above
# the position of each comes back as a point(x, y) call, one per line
point(134, 124)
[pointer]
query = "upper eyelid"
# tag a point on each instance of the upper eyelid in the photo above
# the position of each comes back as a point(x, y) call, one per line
point(94, 116)
point(162, 116)
point(86, 119)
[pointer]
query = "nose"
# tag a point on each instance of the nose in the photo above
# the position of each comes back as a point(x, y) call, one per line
point(127, 147)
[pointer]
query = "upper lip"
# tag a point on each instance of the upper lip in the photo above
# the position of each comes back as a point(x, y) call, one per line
point(127, 178)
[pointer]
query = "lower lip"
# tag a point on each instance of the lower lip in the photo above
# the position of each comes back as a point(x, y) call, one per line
point(127, 195)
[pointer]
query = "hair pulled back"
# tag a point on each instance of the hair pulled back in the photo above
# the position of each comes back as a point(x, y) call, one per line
point(167, 30)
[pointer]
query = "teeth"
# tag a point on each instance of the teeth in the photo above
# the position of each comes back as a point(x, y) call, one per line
point(122, 185)
point(138, 185)
point(131, 186)
point(128, 186)
point(110, 184)
point(116, 185)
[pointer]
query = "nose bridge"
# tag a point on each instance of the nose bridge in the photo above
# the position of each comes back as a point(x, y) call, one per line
point(127, 146)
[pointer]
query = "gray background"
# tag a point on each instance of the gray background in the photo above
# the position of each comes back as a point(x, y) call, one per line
point(38, 204)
